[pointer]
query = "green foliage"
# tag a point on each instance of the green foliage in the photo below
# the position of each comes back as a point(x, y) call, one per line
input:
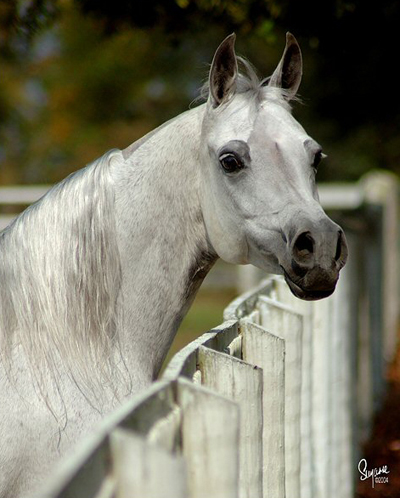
point(79, 93)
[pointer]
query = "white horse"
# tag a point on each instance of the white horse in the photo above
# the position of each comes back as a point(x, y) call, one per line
point(97, 276)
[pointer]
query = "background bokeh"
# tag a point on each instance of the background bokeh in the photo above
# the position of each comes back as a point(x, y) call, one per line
point(78, 77)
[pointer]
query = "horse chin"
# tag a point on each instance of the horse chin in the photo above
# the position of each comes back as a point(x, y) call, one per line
point(307, 294)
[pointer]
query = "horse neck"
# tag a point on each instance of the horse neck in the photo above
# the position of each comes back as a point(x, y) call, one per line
point(161, 237)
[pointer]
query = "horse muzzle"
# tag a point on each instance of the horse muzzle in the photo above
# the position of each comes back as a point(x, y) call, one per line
point(314, 259)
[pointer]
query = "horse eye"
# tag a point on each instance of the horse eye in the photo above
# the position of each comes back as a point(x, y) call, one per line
point(318, 158)
point(230, 163)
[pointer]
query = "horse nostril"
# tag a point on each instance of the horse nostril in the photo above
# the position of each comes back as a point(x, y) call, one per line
point(339, 247)
point(304, 244)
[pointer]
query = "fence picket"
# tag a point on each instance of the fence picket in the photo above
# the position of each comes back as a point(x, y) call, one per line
point(134, 460)
point(287, 324)
point(210, 439)
point(267, 351)
point(304, 308)
point(242, 383)
point(341, 388)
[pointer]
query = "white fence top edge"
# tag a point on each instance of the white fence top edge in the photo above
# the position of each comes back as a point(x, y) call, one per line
point(22, 194)
point(183, 363)
point(341, 196)
point(335, 195)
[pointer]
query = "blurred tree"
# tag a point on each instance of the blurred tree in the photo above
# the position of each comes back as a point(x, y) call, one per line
point(81, 76)
point(76, 93)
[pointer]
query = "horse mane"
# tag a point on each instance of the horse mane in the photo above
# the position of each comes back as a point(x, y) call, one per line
point(60, 277)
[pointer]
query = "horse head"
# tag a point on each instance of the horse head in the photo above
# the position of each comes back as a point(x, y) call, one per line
point(258, 165)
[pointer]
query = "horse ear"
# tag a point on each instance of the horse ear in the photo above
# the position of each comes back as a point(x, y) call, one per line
point(289, 71)
point(223, 73)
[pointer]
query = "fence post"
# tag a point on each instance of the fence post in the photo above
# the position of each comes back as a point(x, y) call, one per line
point(382, 188)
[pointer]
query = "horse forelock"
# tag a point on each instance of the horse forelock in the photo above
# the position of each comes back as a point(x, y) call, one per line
point(60, 278)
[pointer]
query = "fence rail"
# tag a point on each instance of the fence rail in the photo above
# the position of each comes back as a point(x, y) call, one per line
point(14, 198)
point(276, 401)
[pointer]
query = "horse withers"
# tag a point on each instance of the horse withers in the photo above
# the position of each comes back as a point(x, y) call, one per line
point(97, 275)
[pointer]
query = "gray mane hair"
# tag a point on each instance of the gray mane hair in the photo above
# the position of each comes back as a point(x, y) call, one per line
point(249, 82)
point(60, 278)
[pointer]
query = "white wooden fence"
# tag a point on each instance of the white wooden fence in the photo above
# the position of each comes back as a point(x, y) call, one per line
point(14, 198)
point(274, 402)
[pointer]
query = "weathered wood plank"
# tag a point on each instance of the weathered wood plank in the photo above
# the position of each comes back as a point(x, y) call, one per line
point(267, 351)
point(184, 363)
point(141, 469)
point(287, 324)
point(304, 308)
point(321, 397)
point(242, 383)
point(343, 385)
point(210, 441)
point(165, 431)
